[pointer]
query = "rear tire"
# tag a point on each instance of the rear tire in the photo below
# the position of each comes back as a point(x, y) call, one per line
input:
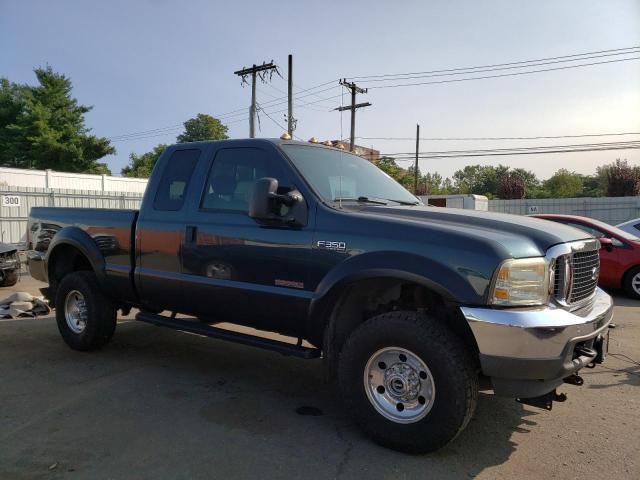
point(631, 283)
point(86, 317)
point(9, 278)
point(409, 382)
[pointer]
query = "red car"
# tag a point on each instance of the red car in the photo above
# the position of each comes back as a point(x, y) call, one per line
point(619, 255)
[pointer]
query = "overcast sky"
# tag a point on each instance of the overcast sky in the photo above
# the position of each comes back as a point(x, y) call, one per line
point(147, 65)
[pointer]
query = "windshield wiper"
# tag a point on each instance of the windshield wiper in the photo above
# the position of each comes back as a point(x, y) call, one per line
point(403, 202)
point(360, 200)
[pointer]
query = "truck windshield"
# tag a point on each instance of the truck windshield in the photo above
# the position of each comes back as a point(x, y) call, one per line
point(337, 175)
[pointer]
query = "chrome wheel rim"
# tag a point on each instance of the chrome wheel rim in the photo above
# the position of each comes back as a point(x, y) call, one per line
point(75, 311)
point(399, 385)
point(635, 283)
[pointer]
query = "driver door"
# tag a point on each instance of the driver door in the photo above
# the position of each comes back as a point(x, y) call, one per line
point(239, 270)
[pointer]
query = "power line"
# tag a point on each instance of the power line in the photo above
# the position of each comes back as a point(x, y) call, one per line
point(498, 64)
point(522, 151)
point(452, 80)
point(498, 68)
point(518, 153)
point(501, 138)
point(579, 145)
point(239, 111)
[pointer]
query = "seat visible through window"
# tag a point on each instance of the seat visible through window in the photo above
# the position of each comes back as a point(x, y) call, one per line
point(232, 176)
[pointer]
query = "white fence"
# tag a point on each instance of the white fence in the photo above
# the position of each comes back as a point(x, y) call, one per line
point(20, 177)
point(16, 202)
point(612, 210)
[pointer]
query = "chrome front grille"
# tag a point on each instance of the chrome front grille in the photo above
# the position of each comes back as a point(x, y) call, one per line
point(575, 276)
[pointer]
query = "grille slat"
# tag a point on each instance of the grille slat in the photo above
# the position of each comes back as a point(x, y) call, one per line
point(583, 266)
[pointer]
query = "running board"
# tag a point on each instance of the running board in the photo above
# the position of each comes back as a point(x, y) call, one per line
point(222, 334)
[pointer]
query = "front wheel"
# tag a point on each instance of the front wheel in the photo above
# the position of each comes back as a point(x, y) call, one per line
point(408, 381)
point(86, 318)
point(631, 283)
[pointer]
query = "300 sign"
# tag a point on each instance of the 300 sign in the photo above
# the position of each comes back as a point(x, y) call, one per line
point(10, 201)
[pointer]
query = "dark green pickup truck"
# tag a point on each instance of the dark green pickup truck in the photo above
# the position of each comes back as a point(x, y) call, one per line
point(410, 307)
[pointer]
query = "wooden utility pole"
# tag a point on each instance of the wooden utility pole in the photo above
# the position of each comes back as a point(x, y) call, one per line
point(255, 71)
point(415, 180)
point(354, 89)
point(290, 92)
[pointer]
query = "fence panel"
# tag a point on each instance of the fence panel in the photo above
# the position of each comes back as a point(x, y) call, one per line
point(13, 219)
point(612, 210)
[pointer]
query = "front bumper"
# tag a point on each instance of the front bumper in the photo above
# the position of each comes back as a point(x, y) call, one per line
point(528, 352)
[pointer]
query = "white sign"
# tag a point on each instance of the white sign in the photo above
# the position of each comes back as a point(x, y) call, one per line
point(10, 201)
point(533, 209)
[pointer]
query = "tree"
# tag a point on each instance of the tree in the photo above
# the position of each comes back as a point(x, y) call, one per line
point(622, 180)
point(141, 166)
point(564, 184)
point(43, 127)
point(512, 186)
point(479, 179)
point(203, 127)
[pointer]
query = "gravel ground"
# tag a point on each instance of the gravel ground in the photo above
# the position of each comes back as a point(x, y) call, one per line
point(160, 404)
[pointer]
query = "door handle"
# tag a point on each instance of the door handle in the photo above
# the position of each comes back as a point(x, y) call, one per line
point(191, 234)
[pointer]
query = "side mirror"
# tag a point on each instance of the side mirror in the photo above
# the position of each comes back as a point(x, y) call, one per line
point(606, 243)
point(259, 201)
point(265, 203)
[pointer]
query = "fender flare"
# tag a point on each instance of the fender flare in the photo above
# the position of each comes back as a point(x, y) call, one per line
point(451, 285)
point(83, 242)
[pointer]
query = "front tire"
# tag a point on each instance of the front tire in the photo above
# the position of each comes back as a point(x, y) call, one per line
point(86, 318)
point(631, 283)
point(408, 381)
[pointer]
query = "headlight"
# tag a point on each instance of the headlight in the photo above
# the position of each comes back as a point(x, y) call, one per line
point(523, 281)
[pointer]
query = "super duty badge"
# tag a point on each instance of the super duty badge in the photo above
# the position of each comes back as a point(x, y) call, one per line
point(331, 245)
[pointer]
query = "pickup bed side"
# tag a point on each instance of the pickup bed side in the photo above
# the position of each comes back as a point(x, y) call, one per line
point(63, 240)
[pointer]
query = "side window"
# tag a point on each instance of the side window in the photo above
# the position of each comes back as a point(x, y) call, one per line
point(232, 175)
point(585, 228)
point(616, 243)
point(175, 179)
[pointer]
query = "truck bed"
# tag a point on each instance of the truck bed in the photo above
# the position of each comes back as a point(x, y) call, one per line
point(112, 230)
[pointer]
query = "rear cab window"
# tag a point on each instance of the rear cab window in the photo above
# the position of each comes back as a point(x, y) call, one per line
point(175, 180)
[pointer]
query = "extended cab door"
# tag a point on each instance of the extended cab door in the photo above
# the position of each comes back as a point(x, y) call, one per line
point(161, 228)
point(234, 268)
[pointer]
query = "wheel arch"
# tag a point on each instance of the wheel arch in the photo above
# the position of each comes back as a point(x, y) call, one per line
point(354, 297)
point(71, 250)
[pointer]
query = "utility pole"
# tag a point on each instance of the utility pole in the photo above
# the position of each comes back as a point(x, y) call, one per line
point(354, 89)
point(255, 71)
point(415, 180)
point(290, 92)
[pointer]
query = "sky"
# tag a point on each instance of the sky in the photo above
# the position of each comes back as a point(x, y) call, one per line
point(147, 66)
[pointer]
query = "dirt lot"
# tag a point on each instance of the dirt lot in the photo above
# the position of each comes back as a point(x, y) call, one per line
point(159, 404)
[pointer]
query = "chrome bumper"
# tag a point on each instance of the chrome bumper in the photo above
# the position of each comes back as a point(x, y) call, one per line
point(527, 351)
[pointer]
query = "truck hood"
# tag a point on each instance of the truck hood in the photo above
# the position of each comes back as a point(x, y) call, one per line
point(519, 236)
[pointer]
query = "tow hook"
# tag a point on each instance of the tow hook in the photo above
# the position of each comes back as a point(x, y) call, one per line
point(574, 380)
point(544, 401)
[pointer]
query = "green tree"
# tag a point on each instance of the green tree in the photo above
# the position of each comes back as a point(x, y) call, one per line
point(622, 180)
point(564, 184)
point(141, 166)
point(43, 127)
point(479, 179)
point(595, 185)
point(203, 127)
